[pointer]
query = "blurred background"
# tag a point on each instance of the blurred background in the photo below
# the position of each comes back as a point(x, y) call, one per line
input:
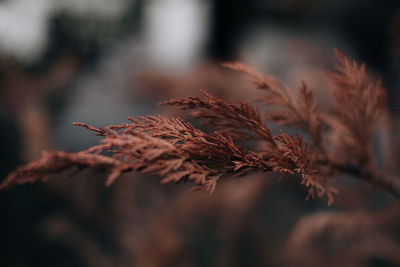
point(100, 61)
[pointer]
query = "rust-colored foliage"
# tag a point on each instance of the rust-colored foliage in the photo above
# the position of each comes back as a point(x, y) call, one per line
point(360, 103)
point(175, 150)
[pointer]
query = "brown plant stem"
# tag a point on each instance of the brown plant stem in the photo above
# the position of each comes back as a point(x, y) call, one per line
point(390, 184)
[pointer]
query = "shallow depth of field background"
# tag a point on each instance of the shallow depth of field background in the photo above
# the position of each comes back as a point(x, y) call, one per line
point(100, 61)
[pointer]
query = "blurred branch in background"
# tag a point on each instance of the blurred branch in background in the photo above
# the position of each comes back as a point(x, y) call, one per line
point(24, 94)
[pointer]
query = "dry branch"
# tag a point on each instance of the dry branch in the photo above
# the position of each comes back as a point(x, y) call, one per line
point(340, 142)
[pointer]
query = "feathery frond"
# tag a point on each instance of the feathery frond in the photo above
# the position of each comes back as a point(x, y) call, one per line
point(177, 151)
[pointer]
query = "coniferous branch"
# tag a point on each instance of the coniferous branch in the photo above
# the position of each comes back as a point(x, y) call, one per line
point(170, 148)
point(340, 142)
point(299, 112)
point(241, 121)
point(360, 102)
